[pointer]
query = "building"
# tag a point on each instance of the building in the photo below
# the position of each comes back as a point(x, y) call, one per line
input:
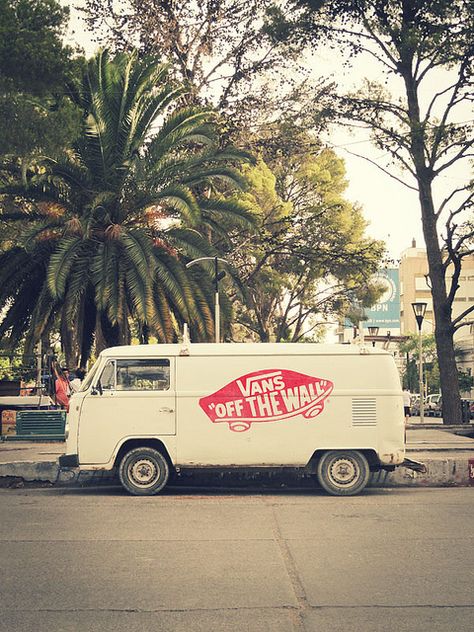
point(391, 319)
point(414, 287)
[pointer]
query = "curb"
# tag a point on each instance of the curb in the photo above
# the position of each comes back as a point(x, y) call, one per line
point(44, 471)
point(441, 471)
point(444, 471)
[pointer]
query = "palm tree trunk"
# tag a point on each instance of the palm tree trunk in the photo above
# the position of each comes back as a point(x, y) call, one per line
point(68, 343)
point(87, 328)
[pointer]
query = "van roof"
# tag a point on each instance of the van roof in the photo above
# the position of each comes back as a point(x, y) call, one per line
point(240, 349)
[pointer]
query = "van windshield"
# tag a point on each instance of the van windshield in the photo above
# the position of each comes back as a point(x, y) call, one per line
point(89, 377)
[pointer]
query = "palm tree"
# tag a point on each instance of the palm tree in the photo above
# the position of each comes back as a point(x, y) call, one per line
point(107, 227)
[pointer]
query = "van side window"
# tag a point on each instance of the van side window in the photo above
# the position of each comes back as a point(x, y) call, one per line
point(107, 379)
point(142, 375)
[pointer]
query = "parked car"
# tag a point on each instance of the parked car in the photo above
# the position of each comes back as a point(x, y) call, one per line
point(433, 405)
point(438, 407)
point(470, 407)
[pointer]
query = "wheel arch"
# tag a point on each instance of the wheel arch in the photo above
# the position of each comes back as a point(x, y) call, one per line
point(369, 453)
point(145, 442)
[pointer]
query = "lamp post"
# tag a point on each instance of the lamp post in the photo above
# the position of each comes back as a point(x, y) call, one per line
point(373, 331)
point(419, 310)
point(217, 277)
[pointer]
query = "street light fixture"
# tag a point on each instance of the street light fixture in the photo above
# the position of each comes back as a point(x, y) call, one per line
point(217, 277)
point(373, 331)
point(419, 309)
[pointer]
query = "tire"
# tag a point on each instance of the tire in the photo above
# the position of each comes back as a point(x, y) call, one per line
point(343, 472)
point(144, 471)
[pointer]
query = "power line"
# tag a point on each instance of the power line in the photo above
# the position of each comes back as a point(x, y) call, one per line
point(405, 135)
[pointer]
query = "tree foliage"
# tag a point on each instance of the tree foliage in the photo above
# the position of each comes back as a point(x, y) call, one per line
point(431, 375)
point(312, 257)
point(223, 49)
point(34, 63)
point(33, 58)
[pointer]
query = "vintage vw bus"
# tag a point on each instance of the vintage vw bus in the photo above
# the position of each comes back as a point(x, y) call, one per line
point(151, 409)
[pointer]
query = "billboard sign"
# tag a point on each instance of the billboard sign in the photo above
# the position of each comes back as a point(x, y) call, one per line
point(386, 312)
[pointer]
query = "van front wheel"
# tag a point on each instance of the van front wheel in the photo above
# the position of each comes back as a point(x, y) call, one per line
point(144, 471)
point(343, 473)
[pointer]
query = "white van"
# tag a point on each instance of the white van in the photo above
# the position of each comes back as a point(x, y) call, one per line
point(151, 409)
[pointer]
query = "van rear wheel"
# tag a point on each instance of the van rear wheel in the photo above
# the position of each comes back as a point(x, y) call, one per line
point(343, 472)
point(144, 471)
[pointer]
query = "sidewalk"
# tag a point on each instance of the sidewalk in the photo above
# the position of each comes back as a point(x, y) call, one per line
point(449, 459)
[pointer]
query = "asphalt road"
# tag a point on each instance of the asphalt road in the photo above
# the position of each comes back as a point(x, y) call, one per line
point(98, 560)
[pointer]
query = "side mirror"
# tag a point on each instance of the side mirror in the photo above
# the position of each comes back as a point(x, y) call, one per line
point(97, 389)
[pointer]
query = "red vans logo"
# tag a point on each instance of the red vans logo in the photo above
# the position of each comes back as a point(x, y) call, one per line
point(269, 395)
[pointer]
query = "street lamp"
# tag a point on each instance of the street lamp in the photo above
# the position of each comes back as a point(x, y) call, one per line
point(217, 277)
point(419, 310)
point(373, 331)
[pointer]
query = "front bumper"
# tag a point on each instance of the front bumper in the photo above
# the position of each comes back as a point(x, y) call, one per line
point(416, 466)
point(69, 460)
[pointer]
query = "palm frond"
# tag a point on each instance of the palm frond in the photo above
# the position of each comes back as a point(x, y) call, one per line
point(164, 330)
point(78, 281)
point(230, 210)
point(190, 243)
point(16, 266)
point(180, 199)
point(60, 264)
point(102, 268)
point(180, 126)
point(226, 175)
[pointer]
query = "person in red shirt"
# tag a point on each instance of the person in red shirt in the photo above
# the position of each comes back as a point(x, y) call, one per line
point(62, 387)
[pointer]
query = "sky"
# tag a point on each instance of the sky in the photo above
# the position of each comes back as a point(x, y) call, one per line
point(391, 209)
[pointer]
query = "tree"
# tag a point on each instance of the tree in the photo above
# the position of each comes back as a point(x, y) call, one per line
point(33, 58)
point(430, 365)
point(104, 230)
point(34, 118)
point(312, 256)
point(222, 49)
point(427, 45)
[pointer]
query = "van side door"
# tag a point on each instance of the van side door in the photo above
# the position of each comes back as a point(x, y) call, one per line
point(132, 397)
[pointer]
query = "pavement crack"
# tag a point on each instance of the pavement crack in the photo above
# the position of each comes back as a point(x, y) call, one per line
point(292, 572)
point(163, 609)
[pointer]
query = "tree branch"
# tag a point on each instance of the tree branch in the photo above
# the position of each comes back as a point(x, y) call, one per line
point(388, 173)
point(457, 321)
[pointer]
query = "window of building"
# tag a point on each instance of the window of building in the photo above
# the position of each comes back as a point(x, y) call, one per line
point(421, 284)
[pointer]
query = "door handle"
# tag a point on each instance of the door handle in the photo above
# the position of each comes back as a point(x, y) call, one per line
point(166, 410)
